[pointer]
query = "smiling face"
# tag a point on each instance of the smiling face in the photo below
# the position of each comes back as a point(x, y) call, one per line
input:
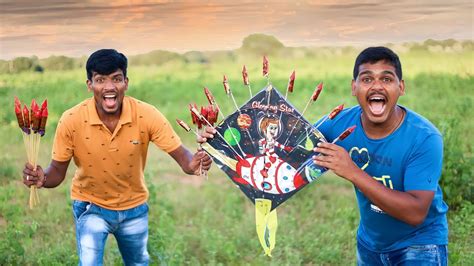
point(109, 91)
point(271, 131)
point(377, 89)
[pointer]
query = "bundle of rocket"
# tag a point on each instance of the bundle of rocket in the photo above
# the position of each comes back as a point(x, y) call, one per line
point(32, 123)
point(207, 116)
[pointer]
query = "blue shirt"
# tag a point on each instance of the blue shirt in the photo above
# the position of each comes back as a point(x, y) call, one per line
point(410, 158)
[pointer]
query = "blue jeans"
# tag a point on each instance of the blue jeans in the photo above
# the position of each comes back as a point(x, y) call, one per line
point(94, 224)
point(422, 255)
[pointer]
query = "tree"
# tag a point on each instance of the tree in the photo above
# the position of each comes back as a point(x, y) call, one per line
point(195, 57)
point(261, 44)
point(20, 64)
point(157, 57)
point(58, 63)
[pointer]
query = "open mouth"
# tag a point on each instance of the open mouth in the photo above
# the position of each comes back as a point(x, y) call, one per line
point(377, 103)
point(110, 100)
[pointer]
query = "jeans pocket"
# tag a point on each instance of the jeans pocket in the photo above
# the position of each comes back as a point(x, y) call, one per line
point(79, 208)
point(425, 255)
point(139, 211)
point(423, 248)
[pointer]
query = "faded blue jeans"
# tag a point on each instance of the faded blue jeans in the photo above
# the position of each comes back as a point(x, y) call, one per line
point(94, 224)
point(422, 255)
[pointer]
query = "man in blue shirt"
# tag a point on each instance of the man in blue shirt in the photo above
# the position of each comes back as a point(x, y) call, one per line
point(394, 159)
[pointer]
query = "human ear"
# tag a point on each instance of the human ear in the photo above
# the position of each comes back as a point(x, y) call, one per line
point(402, 87)
point(353, 87)
point(89, 85)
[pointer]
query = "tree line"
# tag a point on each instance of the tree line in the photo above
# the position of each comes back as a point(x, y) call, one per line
point(255, 44)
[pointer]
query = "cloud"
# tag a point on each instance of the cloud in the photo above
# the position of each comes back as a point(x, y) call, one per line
point(78, 27)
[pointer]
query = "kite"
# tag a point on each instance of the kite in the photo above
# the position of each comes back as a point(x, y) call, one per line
point(265, 147)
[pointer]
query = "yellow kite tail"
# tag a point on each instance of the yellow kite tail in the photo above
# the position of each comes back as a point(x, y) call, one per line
point(266, 222)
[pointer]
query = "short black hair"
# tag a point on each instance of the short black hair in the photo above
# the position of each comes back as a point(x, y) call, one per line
point(106, 61)
point(374, 54)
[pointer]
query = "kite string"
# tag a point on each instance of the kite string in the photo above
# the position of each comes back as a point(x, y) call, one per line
point(240, 113)
point(250, 90)
point(231, 132)
point(268, 94)
point(201, 173)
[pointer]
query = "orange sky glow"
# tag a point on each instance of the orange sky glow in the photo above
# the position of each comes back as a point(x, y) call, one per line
point(76, 28)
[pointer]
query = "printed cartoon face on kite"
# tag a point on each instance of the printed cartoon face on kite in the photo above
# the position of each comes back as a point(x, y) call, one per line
point(270, 126)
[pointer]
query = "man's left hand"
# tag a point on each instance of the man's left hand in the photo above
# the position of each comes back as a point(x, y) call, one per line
point(200, 162)
point(337, 159)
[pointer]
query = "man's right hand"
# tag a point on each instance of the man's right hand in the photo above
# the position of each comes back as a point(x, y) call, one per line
point(32, 177)
point(206, 134)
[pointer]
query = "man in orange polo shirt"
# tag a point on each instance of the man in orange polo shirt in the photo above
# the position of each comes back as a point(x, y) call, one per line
point(108, 136)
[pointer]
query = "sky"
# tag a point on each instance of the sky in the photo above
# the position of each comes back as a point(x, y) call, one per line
point(77, 28)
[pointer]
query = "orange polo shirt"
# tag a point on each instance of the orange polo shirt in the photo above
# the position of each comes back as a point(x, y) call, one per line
point(110, 164)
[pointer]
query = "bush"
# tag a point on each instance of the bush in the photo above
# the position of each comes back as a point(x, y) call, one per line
point(457, 168)
point(195, 57)
point(261, 44)
point(157, 57)
point(58, 63)
point(21, 64)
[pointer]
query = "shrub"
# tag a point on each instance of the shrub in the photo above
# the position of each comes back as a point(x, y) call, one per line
point(457, 168)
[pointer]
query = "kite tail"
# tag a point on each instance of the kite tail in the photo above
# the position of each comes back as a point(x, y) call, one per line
point(266, 223)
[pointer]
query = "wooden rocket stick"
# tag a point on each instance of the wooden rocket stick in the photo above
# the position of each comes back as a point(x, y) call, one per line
point(245, 77)
point(313, 98)
point(291, 84)
point(188, 129)
point(331, 116)
point(218, 155)
point(265, 69)
point(228, 91)
point(341, 137)
point(212, 101)
point(289, 87)
point(196, 112)
point(344, 134)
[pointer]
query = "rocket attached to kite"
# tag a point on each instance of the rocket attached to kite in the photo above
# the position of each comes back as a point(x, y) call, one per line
point(259, 146)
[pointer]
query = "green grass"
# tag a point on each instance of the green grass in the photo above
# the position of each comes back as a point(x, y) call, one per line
point(209, 221)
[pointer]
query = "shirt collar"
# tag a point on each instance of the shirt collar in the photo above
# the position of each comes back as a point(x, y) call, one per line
point(125, 116)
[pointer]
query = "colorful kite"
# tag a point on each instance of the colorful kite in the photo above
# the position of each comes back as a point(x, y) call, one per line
point(265, 147)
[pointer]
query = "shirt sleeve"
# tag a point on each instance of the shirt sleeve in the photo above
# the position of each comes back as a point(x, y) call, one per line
point(324, 128)
point(162, 133)
point(63, 148)
point(424, 165)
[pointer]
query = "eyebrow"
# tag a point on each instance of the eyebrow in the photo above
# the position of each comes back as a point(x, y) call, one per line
point(117, 75)
point(386, 72)
point(103, 75)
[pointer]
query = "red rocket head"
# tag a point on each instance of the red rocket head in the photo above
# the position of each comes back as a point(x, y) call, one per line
point(317, 91)
point(245, 76)
point(265, 66)
point(291, 82)
point(225, 82)
point(336, 111)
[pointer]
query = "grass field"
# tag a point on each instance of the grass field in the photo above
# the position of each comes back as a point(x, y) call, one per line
point(209, 221)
